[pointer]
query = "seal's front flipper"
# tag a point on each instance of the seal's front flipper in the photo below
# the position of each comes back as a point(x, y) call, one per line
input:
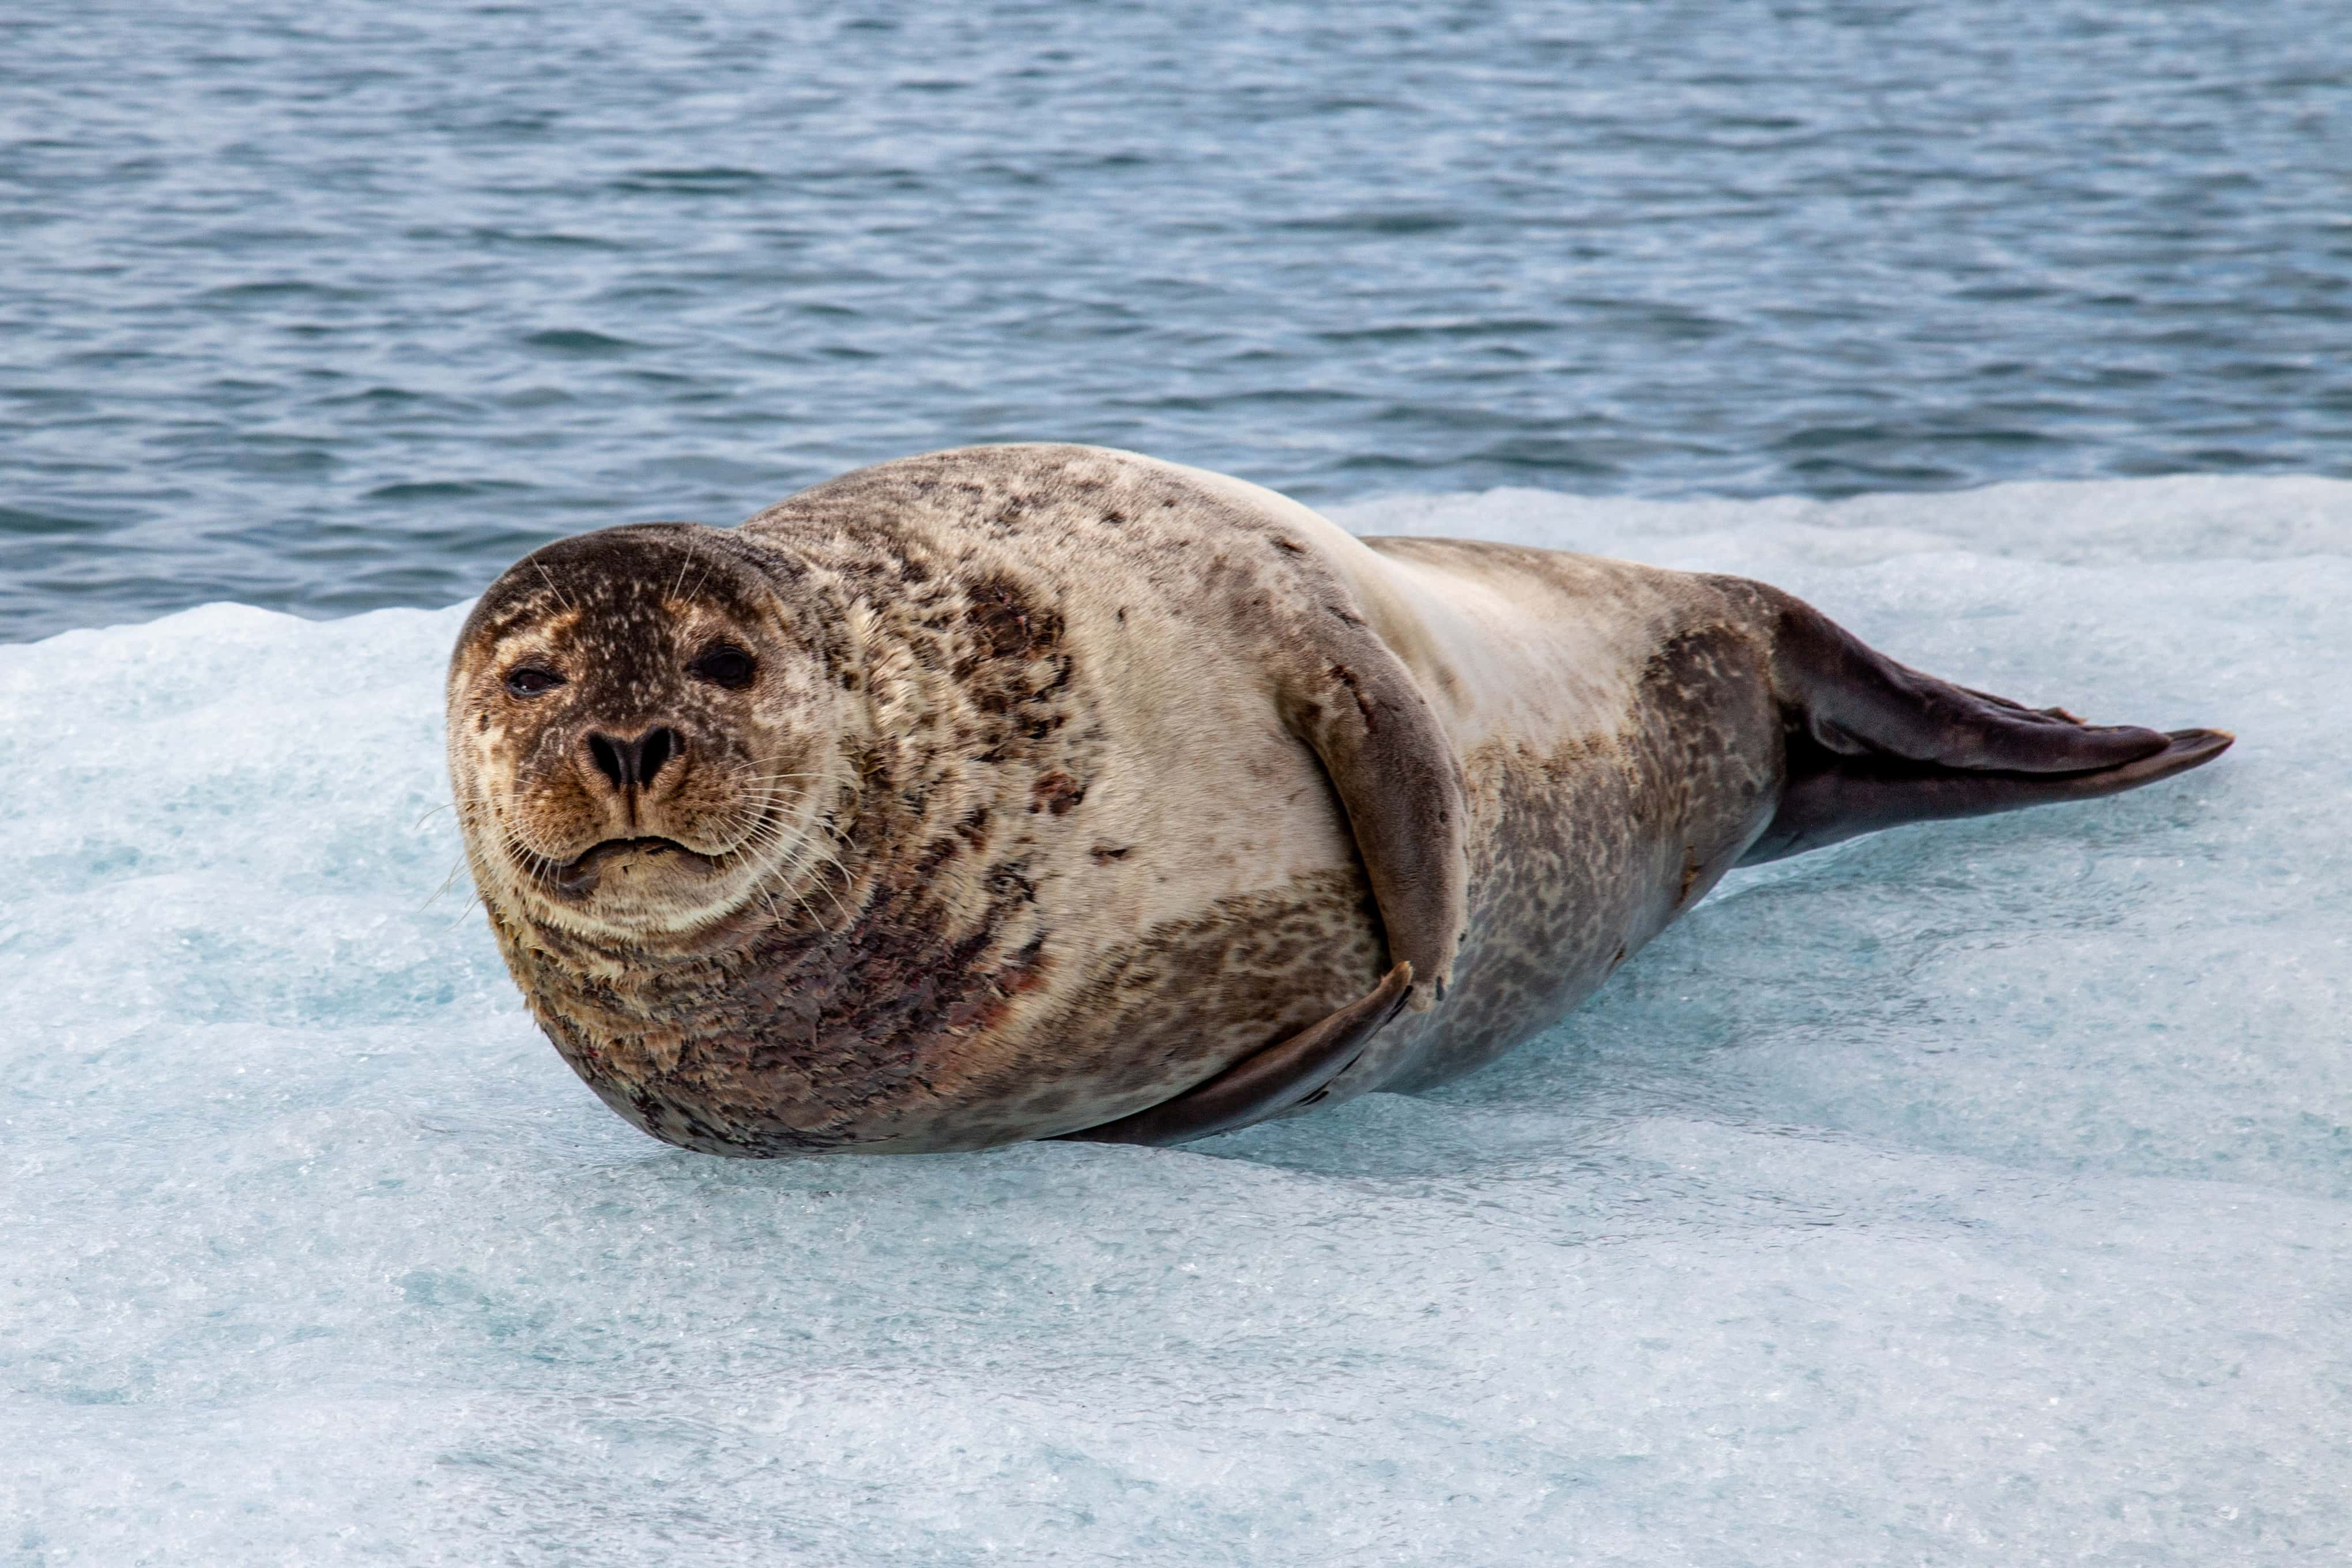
point(1390, 763)
point(1278, 1078)
point(1872, 744)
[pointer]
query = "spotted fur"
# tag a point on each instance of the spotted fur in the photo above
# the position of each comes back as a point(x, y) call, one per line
point(1106, 774)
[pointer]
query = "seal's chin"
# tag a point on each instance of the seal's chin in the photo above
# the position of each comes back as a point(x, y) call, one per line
point(579, 878)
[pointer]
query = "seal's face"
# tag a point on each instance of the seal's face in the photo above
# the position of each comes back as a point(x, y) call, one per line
point(641, 738)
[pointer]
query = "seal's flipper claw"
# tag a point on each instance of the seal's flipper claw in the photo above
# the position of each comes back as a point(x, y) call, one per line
point(1873, 744)
point(1278, 1078)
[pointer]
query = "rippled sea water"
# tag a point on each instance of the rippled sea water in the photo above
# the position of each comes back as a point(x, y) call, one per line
point(330, 306)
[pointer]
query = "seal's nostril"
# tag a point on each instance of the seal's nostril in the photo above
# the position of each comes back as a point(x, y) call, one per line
point(653, 751)
point(627, 762)
point(609, 760)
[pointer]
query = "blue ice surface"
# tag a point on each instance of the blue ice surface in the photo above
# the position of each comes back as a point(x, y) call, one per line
point(1978, 1193)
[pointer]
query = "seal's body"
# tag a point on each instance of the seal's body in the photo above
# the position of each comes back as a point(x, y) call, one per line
point(1023, 791)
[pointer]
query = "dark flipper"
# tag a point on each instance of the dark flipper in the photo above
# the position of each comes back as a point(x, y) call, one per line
point(1355, 702)
point(1277, 1079)
point(1873, 744)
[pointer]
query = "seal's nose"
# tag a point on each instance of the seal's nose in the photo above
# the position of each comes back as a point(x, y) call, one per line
point(635, 763)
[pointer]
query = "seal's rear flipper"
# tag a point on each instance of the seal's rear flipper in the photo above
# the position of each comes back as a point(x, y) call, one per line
point(1873, 744)
point(1278, 1078)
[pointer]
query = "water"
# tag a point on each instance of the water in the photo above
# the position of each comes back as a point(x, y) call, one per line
point(1975, 1194)
point(324, 307)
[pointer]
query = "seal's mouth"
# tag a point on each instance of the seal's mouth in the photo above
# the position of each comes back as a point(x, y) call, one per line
point(578, 879)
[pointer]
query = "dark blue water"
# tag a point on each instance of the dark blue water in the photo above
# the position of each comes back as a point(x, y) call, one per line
point(329, 306)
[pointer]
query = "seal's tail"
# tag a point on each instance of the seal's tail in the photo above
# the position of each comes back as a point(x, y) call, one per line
point(1873, 744)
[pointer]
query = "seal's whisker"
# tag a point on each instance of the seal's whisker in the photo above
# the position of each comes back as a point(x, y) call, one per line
point(565, 597)
point(826, 855)
point(826, 888)
point(451, 804)
point(806, 908)
point(799, 855)
point(444, 888)
point(535, 864)
point(750, 765)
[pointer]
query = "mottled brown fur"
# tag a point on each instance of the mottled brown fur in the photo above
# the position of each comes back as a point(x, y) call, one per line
point(1104, 775)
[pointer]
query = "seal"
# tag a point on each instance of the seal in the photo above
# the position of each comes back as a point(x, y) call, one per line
point(1048, 791)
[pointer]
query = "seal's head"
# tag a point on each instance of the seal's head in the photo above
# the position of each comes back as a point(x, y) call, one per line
point(644, 736)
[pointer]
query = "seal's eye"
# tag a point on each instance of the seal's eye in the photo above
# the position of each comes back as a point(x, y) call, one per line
point(529, 681)
point(725, 665)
